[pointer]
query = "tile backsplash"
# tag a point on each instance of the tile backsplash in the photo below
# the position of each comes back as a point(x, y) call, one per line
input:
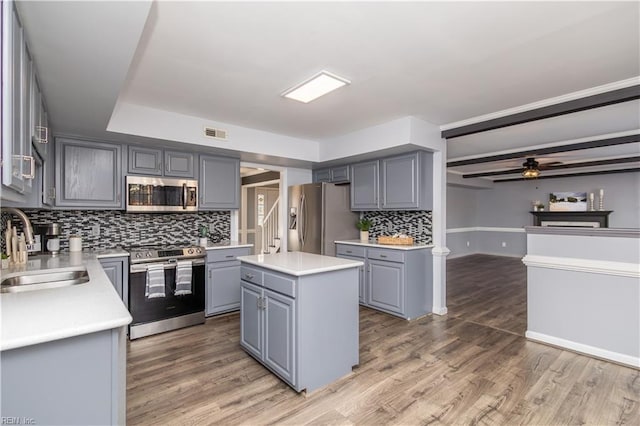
point(121, 229)
point(417, 224)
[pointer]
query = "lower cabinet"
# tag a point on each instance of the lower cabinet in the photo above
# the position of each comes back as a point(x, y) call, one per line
point(285, 325)
point(362, 288)
point(395, 281)
point(117, 270)
point(223, 280)
point(267, 324)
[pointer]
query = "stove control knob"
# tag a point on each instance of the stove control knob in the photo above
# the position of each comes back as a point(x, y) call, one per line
point(148, 254)
point(138, 255)
point(199, 250)
point(190, 251)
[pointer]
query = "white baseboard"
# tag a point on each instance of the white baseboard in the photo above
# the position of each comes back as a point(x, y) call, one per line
point(629, 360)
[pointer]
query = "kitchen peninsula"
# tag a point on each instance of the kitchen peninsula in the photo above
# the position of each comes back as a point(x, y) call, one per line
point(299, 316)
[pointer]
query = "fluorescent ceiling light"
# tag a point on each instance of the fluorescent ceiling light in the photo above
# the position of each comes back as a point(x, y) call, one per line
point(318, 85)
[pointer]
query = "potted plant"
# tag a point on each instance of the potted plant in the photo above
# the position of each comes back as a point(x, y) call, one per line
point(203, 231)
point(364, 225)
point(5, 260)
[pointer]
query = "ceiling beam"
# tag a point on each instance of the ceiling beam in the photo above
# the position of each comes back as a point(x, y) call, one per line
point(557, 167)
point(594, 101)
point(598, 143)
point(601, 172)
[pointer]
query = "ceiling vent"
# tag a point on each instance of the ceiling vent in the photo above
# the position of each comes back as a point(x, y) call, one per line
point(212, 132)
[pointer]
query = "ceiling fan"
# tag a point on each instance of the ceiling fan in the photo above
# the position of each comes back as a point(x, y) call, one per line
point(531, 168)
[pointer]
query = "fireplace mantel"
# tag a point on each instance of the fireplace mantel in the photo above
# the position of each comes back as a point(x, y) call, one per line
point(599, 217)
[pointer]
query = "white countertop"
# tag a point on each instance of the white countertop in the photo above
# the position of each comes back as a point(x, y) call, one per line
point(226, 245)
point(39, 316)
point(107, 253)
point(387, 246)
point(299, 263)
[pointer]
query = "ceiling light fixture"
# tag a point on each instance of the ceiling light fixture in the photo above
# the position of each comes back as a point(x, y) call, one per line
point(316, 86)
point(530, 169)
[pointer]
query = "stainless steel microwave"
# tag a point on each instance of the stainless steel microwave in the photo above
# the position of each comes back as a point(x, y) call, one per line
point(155, 194)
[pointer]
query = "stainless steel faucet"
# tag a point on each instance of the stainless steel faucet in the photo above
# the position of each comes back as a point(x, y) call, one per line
point(26, 223)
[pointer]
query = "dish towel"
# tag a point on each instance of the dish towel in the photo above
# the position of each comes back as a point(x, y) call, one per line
point(155, 281)
point(183, 278)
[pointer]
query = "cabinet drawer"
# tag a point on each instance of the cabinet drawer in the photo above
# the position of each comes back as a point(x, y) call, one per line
point(340, 174)
point(251, 275)
point(226, 255)
point(388, 255)
point(280, 284)
point(357, 251)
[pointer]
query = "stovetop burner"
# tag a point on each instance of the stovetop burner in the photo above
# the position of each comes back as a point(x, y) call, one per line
point(158, 253)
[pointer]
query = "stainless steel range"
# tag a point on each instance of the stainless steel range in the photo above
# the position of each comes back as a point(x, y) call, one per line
point(166, 288)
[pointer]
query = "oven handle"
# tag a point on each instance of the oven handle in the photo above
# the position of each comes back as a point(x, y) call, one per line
point(142, 267)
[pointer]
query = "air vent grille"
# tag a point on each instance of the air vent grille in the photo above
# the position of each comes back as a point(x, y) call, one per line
point(212, 132)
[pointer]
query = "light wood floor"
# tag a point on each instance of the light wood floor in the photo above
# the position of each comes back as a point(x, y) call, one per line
point(471, 366)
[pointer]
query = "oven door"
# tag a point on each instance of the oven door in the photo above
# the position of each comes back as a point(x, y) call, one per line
point(145, 310)
point(151, 194)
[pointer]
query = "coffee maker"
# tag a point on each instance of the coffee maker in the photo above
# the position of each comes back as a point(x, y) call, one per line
point(50, 237)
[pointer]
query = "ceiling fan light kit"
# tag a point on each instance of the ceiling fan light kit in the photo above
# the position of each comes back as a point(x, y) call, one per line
point(530, 169)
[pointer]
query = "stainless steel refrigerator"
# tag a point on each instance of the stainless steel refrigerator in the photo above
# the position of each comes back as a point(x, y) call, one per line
point(319, 214)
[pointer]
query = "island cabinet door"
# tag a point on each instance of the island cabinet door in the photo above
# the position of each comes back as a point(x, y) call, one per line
point(362, 295)
point(386, 286)
point(223, 287)
point(279, 334)
point(251, 319)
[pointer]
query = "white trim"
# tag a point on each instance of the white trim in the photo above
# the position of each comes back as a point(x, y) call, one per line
point(440, 251)
point(263, 183)
point(629, 360)
point(484, 229)
point(546, 102)
point(439, 311)
point(590, 266)
point(545, 145)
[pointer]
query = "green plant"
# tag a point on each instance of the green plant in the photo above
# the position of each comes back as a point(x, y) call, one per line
point(4, 256)
point(203, 231)
point(364, 224)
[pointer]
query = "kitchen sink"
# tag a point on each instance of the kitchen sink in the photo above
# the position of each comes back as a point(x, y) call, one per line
point(43, 281)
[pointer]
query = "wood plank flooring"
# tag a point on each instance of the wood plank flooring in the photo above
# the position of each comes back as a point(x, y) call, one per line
point(472, 366)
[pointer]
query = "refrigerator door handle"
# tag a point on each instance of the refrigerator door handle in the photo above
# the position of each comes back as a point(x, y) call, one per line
point(301, 221)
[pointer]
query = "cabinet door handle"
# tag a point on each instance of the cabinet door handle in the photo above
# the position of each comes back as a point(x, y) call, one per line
point(383, 255)
point(229, 256)
point(209, 273)
point(249, 276)
point(349, 251)
point(259, 302)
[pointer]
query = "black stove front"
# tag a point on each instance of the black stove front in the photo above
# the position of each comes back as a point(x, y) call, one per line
point(160, 314)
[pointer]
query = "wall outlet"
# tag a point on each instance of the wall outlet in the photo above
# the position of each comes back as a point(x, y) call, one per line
point(504, 244)
point(95, 230)
point(212, 227)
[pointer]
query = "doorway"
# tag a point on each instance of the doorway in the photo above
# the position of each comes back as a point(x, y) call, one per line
point(259, 210)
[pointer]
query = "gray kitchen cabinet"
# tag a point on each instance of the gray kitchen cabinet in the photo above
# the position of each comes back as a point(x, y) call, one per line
point(223, 280)
point(403, 182)
point(279, 320)
point(18, 171)
point(146, 161)
point(407, 182)
point(386, 286)
point(362, 288)
point(89, 174)
point(395, 281)
point(117, 270)
point(336, 174)
point(219, 183)
point(284, 324)
point(179, 164)
point(251, 319)
point(158, 162)
point(78, 380)
point(364, 186)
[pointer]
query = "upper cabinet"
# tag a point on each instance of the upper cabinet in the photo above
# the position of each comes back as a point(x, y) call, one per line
point(89, 174)
point(21, 107)
point(403, 182)
point(364, 186)
point(219, 183)
point(338, 174)
point(157, 162)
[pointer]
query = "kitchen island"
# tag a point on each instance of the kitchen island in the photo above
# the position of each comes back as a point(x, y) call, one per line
point(583, 290)
point(63, 350)
point(299, 316)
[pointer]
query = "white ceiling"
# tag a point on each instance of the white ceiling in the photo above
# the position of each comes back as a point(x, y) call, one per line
point(442, 62)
